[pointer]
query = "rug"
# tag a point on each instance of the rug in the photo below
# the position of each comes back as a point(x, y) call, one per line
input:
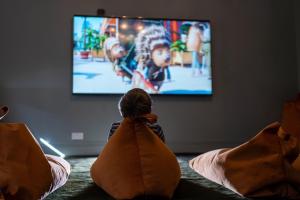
point(191, 187)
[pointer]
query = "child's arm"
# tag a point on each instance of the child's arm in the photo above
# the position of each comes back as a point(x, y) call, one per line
point(156, 128)
point(113, 128)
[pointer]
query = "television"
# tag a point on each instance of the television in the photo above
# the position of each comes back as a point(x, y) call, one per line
point(112, 55)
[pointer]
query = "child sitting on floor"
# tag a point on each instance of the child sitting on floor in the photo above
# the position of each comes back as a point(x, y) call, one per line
point(135, 162)
point(136, 104)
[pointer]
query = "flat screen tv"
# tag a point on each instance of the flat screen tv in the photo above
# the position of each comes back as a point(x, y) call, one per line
point(112, 55)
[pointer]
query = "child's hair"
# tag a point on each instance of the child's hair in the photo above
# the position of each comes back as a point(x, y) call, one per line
point(135, 103)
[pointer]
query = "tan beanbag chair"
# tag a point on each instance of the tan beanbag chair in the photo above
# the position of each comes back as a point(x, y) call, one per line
point(135, 162)
point(266, 165)
point(25, 172)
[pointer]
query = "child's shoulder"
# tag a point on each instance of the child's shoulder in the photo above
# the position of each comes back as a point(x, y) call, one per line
point(116, 123)
point(153, 124)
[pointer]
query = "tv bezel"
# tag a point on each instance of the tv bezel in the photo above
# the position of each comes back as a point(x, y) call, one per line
point(141, 18)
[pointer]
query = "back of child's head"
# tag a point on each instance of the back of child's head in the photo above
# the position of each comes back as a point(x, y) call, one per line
point(135, 103)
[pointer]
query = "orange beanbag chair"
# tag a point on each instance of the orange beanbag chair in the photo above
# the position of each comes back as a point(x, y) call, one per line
point(266, 165)
point(135, 162)
point(25, 171)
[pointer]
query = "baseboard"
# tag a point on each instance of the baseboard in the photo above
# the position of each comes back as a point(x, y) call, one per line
point(94, 148)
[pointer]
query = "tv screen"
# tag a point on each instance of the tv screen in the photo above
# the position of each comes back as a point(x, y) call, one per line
point(112, 55)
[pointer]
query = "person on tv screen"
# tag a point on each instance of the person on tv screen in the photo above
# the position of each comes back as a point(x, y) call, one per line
point(123, 61)
point(194, 44)
point(153, 49)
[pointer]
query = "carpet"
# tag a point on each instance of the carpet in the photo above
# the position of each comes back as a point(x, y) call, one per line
point(192, 186)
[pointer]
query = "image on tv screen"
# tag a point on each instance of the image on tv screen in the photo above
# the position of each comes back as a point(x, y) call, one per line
point(112, 55)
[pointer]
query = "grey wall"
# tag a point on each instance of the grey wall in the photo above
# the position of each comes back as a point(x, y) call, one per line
point(254, 71)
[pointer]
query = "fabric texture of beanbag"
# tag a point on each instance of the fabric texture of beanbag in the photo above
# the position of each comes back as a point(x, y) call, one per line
point(135, 162)
point(266, 165)
point(25, 172)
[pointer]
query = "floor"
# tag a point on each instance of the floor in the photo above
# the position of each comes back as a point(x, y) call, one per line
point(191, 187)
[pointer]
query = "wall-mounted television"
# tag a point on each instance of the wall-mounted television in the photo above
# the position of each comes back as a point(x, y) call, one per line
point(112, 55)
